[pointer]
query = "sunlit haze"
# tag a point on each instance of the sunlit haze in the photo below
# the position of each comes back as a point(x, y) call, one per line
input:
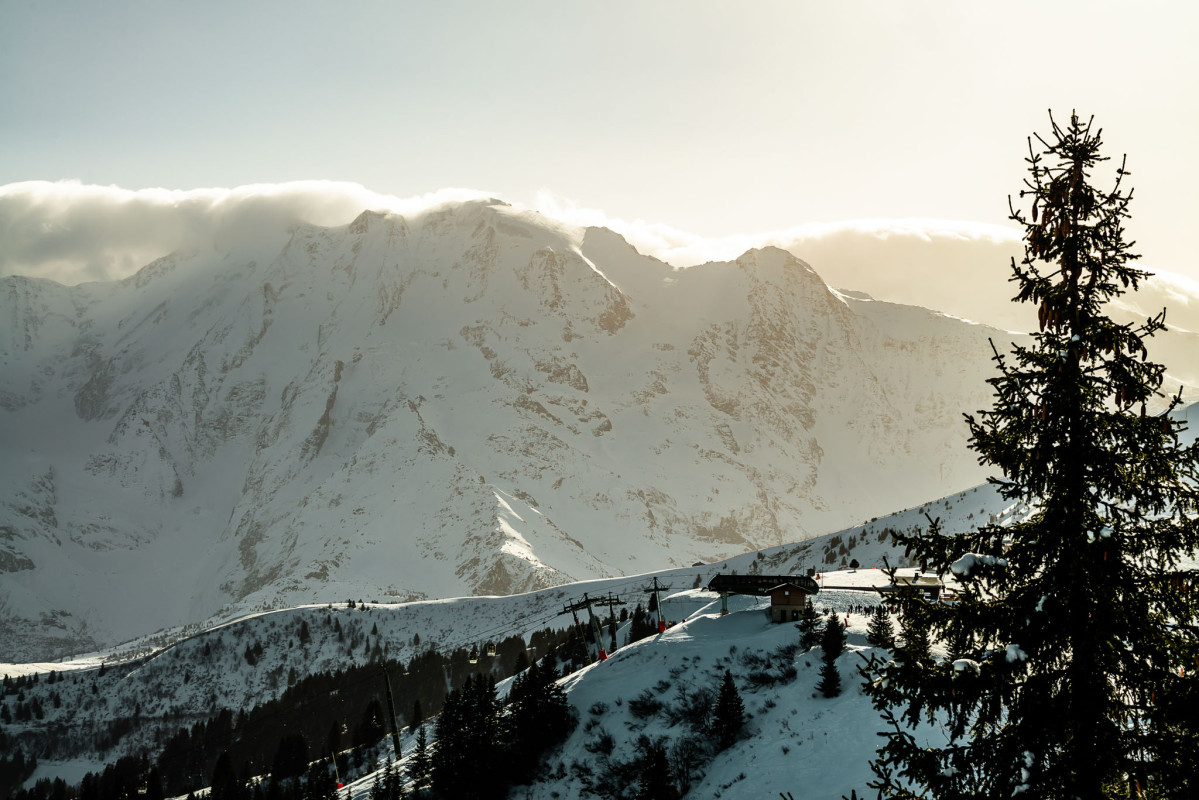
point(695, 128)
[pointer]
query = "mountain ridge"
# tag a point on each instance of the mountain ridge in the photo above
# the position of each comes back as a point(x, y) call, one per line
point(471, 400)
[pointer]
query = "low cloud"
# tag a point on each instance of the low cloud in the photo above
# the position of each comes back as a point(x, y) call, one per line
point(71, 233)
point(960, 268)
point(956, 267)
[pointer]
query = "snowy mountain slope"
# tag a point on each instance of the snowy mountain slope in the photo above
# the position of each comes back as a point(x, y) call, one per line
point(795, 740)
point(791, 740)
point(194, 673)
point(470, 400)
point(177, 682)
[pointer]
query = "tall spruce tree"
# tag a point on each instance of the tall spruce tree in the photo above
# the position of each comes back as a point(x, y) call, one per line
point(420, 767)
point(880, 632)
point(537, 718)
point(728, 714)
point(655, 781)
point(832, 638)
point(465, 761)
point(809, 627)
point(1068, 632)
point(832, 645)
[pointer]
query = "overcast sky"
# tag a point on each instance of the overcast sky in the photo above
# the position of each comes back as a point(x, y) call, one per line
point(714, 118)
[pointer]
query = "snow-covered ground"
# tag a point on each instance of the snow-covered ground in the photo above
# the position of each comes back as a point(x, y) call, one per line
point(795, 740)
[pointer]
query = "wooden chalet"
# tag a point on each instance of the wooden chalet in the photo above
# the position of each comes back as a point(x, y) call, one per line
point(787, 602)
point(787, 593)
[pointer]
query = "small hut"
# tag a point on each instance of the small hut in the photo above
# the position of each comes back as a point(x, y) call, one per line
point(928, 585)
point(787, 602)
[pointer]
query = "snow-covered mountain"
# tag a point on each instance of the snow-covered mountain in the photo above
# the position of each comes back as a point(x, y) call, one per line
point(472, 400)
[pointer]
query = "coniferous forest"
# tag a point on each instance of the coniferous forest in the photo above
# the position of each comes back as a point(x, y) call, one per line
point(330, 724)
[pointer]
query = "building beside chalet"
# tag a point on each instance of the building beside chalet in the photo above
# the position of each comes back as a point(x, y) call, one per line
point(929, 585)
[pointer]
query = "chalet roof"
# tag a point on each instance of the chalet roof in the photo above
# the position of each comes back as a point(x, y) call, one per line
point(759, 585)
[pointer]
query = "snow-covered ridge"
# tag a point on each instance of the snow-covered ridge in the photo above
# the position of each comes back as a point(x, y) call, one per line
point(471, 400)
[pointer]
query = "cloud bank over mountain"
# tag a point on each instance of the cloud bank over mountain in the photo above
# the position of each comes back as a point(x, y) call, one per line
point(72, 233)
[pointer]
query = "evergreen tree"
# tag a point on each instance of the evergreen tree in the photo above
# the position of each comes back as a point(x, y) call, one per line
point(420, 767)
point(832, 645)
point(575, 651)
point(333, 738)
point(879, 631)
point(550, 661)
point(641, 625)
point(1069, 628)
point(829, 684)
point(809, 627)
point(392, 787)
point(465, 762)
point(914, 647)
point(417, 715)
point(321, 785)
point(225, 784)
point(448, 759)
point(371, 727)
point(832, 639)
point(654, 778)
point(728, 716)
point(537, 718)
point(291, 757)
point(153, 786)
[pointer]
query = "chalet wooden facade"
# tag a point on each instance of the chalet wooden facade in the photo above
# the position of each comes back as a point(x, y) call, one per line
point(787, 602)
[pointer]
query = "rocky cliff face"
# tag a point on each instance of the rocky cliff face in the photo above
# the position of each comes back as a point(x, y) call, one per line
point(473, 400)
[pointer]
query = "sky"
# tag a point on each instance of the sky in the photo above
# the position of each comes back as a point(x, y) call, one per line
point(696, 122)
